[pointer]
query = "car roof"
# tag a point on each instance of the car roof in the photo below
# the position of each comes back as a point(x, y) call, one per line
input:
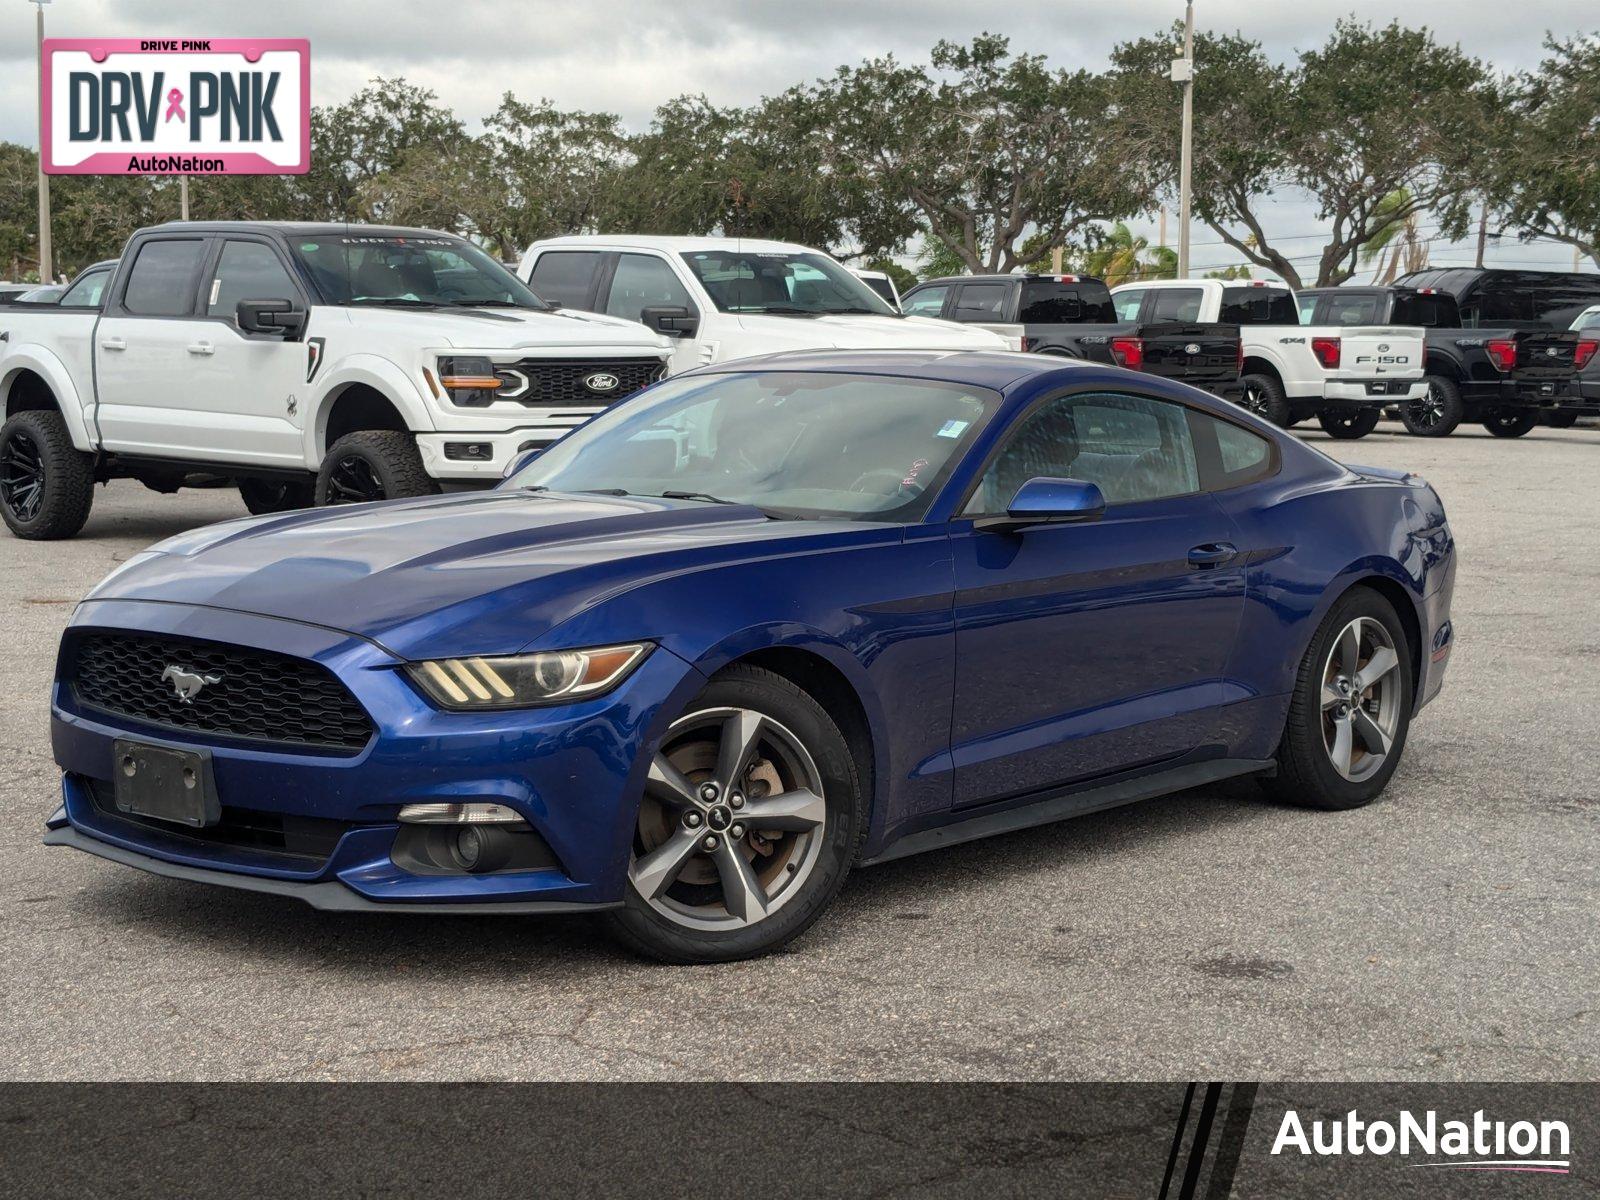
point(674, 243)
point(995, 369)
point(300, 228)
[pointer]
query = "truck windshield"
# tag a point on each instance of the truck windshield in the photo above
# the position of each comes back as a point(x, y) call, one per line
point(415, 271)
point(790, 283)
point(854, 447)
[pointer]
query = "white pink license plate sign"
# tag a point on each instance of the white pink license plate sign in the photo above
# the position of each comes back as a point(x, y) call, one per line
point(210, 106)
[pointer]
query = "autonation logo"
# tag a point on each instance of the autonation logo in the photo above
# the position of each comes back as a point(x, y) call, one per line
point(1476, 1145)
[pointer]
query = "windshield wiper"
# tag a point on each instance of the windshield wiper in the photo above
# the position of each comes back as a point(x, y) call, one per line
point(871, 312)
point(494, 304)
point(395, 302)
point(777, 310)
point(706, 496)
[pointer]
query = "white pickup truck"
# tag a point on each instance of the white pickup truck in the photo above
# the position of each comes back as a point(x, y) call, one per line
point(1343, 375)
point(303, 362)
point(724, 298)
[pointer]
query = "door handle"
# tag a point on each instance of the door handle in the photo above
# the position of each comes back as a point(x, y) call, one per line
point(1212, 554)
point(111, 343)
point(201, 348)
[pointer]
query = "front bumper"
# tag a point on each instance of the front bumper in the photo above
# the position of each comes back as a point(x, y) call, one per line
point(470, 457)
point(574, 773)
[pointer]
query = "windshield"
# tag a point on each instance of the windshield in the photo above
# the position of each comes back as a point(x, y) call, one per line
point(409, 271)
point(792, 283)
point(793, 444)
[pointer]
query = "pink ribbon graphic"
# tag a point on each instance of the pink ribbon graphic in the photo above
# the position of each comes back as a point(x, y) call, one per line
point(175, 105)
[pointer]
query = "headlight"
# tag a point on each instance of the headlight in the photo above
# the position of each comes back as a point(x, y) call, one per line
point(470, 382)
point(546, 678)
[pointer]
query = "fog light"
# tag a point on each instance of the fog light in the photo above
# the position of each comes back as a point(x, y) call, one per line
point(477, 813)
point(475, 451)
point(479, 848)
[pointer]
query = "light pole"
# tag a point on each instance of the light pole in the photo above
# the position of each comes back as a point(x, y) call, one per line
point(1183, 72)
point(46, 266)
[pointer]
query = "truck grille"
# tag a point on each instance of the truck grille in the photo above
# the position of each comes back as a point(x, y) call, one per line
point(249, 694)
point(570, 382)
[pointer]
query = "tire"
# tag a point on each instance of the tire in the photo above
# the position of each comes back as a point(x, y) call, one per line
point(375, 464)
point(1511, 424)
point(1263, 395)
point(1348, 426)
point(46, 485)
point(691, 917)
point(1436, 413)
point(1561, 419)
point(1307, 772)
point(263, 496)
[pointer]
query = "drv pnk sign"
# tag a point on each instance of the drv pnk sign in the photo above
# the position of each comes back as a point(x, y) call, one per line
point(212, 106)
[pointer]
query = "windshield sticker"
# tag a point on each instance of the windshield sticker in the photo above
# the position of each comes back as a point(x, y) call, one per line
point(953, 428)
point(911, 475)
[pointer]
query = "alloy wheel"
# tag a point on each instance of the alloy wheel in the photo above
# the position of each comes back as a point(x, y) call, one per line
point(732, 820)
point(1428, 410)
point(353, 481)
point(1361, 698)
point(21, 476)
point(1255, 399)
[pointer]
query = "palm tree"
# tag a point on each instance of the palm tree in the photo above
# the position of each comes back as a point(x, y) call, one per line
point(1398, 247)
point(1121, 257)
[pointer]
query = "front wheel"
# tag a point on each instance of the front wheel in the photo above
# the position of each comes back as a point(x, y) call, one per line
point(1436, 412)
point(46, 484)
point(1348, 426)
point(263, 496)
point(1350, 709)
point(375, 464)
point(751, 817)
point(1511, 424)
point(1264, 396)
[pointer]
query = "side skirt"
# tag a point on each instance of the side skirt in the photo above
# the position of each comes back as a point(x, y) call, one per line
point(1059, 806)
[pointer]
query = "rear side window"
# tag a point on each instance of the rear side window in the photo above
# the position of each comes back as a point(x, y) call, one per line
point(1258, 306)
point(1051, 302)
point(926, 302)
point(1178, 304)
point(1243, 456)
point(247, 271)
point(162, 282)
point(565, 277)
point(981, 302)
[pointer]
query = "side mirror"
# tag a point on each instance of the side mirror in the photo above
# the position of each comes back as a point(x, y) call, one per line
point(670, 320)
point(518, 461)
point(1048, 502)
point(278, 317)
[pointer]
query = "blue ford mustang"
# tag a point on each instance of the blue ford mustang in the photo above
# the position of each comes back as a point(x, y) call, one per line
point(749, 629)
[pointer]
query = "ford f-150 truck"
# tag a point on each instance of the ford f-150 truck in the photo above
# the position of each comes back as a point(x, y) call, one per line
point(724, 298)
point(1071, 316)
point(1586, 401)
point(303, 362)
point(1344, 376)
point(1504, 378)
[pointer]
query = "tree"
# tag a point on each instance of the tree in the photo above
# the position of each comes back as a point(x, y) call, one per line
point(1120, 256)
point(995, 156)
point(1371, 113)
point(1399, 248)
point(1545, 177)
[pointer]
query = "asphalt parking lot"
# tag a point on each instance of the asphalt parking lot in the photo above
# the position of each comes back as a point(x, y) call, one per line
point(1447, 932)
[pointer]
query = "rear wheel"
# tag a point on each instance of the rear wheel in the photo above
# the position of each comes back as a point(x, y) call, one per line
point(751, 818)
point(375, 464)
point(1350, 710)
point(1511, 424)
point(1346, 425)
point(46, 485)
point(1263, 395)
point(263, 496)
point(1435, 413)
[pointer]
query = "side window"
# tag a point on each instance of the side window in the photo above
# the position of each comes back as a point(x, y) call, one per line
point(86, 290)
point(926, 302)
point(247, 271)
point(981, 302)
point(565, 277)
point(1135, 449)
point(641, 281)
point(1177, 304)
point(1308, 307)
point(1242, 456)
point(162, 281)
point(1127, 304)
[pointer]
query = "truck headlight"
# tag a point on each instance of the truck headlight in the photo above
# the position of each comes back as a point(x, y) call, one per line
point(470, 382)
point(548, 677)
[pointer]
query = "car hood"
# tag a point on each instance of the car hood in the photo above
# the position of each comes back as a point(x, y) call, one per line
point(507, 329)
point(479, 573)
point(866, 331)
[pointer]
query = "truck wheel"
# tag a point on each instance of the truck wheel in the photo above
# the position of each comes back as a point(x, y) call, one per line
point(1511, 424)
point(1263, 395)
point(263, 496)
point(46, 485)
point(375, 464)
point(1348, 426)
point(1435, 413)
point(1561, 420)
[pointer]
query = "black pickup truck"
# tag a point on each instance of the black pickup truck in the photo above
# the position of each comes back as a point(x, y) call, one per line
point(1506, 379)
point(1071, 316)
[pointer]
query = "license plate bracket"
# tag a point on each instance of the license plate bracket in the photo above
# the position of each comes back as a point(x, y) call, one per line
point(165, 784)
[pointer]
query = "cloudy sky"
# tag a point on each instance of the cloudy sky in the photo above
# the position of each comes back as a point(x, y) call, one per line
point(627, 56)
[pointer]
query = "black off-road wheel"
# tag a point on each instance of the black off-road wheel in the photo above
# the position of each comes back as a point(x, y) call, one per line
point(1263, 395)
point(751, 818)
point(375, 464)
point(1435, 413)
point(46, 485)
point(1350, 710)
point(1347, 425)
point(263, 496)
point(1511, 424)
